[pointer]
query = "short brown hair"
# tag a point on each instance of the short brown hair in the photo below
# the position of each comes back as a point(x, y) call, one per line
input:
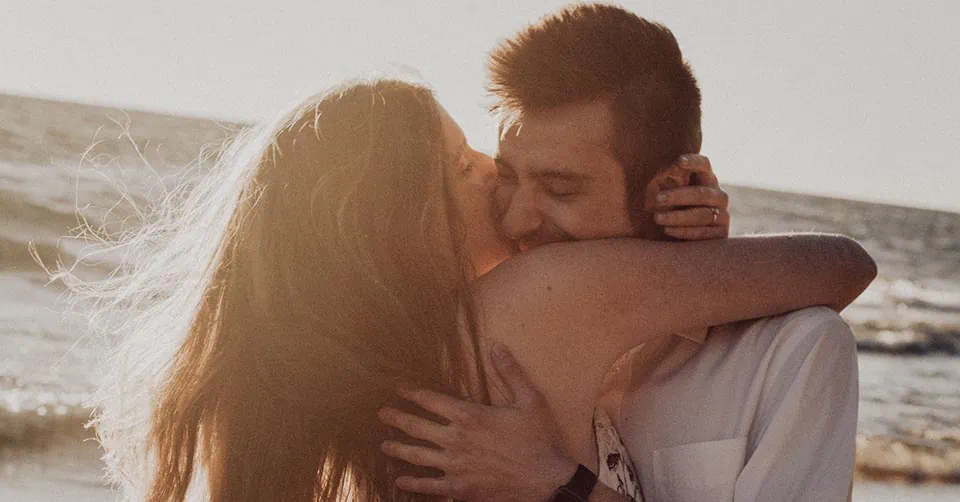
point(603, 52)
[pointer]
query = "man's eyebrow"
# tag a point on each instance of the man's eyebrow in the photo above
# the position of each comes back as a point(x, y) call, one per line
point(546, 172)
point(560, 174)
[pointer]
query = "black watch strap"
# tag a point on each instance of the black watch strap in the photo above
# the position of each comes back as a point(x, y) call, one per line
point(578, 488)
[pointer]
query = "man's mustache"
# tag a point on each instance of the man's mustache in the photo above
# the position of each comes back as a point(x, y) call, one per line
point(498, 209)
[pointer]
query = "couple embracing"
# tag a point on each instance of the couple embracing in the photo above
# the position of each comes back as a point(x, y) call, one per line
point(356, 305)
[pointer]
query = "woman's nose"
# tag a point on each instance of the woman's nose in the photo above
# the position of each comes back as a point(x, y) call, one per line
point(486, 173)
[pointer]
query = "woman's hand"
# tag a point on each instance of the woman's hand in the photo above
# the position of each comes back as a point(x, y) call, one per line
point(510, 452)
point(698, 211)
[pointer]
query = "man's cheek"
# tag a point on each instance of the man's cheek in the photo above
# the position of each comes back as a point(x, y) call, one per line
point(574, 225)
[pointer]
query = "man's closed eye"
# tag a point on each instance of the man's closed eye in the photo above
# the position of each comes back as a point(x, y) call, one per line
point(562, 189)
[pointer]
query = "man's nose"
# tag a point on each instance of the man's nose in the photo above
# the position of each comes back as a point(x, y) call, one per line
point(521, 216)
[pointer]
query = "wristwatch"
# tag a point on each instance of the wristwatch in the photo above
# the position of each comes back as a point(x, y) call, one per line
point(578, 488)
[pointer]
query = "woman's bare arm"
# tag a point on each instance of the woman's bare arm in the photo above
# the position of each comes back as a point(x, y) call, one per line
point(568, 311)
point(635, 290)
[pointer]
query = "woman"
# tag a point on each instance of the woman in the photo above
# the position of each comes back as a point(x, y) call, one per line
point(329, 258)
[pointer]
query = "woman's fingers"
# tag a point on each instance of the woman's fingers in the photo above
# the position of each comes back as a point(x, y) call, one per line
point(416, 455)
point(698, 211)
point(709, 196)
point(700, 166)
point(693, 217)
point(443, 405)
point(415, 426)
point(696, 233)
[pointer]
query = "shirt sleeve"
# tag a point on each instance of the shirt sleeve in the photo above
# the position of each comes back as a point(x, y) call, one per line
point(803, 441)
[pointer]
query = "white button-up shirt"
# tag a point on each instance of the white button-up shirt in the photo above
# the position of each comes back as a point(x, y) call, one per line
point(762, 410)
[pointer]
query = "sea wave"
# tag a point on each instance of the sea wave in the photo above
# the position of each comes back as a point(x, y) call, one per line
point(27, 432)
point(920, 458)
point(16, 256)
point(914, 295)
point(917, 340)
point(18, 211)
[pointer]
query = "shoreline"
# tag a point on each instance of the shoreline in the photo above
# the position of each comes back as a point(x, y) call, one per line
point(67, 468)
point(60, 445)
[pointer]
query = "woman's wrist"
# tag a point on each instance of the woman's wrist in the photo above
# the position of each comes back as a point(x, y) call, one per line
point(578, 489)
point(554, 475)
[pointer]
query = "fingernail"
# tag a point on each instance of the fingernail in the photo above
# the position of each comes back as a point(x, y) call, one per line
point(658, 217)
point(684, 160)
point(662, 197)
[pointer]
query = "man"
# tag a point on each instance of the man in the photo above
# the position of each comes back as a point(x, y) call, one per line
point(753, 411)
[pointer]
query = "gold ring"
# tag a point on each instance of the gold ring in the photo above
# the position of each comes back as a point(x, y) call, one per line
point(716, 214)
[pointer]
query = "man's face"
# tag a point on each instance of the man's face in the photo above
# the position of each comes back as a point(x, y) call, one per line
point(559, 179)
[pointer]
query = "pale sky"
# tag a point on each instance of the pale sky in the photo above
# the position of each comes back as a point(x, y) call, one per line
point(859, 99)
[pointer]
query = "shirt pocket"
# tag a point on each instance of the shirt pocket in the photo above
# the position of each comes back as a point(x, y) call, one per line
point(698, 472)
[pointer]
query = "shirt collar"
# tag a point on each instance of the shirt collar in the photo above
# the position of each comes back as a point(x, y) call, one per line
point(697, 336)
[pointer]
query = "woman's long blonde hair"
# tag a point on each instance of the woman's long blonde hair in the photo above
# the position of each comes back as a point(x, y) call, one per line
point(267, 314)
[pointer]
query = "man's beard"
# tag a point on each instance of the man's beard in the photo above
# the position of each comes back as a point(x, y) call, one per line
point(644, 228)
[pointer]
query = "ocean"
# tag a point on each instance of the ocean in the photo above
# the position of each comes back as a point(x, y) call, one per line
point(59, 160)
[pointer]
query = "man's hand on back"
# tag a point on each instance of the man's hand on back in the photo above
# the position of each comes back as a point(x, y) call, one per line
point(510, 452)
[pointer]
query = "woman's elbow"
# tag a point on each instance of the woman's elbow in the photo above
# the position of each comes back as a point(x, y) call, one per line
point(861, 270)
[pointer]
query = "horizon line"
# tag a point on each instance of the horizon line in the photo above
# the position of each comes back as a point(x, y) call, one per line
point(890, 202)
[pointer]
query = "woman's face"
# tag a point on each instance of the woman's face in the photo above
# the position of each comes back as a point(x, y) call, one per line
point(473, 178)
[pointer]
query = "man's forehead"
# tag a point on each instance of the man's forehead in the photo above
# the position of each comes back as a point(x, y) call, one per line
point(588, 124)
point(577, 133)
